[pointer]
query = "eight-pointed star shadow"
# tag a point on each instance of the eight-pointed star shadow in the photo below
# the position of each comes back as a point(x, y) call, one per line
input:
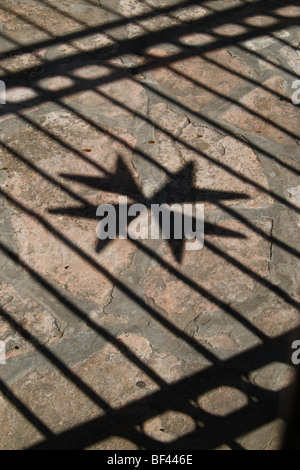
point(179, 189)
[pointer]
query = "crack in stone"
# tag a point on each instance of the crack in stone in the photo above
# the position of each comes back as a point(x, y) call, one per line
point(60, 331)
point(119, 277)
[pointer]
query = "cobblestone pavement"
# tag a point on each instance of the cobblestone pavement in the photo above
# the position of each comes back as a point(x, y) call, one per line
point(141, 344)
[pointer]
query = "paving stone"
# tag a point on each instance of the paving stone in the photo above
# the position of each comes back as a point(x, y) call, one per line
point(276, 319)
point(181, 303)
point(169, 426)
point(37, 243)
point(274, 119)
point(274, 376)
point(223, 401)
point(136, 345)
point(34, 318)
point(198, 81)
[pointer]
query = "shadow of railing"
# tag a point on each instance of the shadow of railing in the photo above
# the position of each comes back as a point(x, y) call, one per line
point(127, 422)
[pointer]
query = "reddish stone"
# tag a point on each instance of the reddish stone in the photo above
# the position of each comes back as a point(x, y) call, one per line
point(265, 112)
point(223, 401)
point(181, 303)
point(31, 316)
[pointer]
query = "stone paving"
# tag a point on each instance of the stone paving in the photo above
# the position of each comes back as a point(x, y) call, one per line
point(141, 344)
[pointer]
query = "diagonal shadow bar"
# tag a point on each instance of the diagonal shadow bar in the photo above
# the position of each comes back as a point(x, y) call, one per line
point(138, 44)
point(80, 314)
point(278, 291)
point(43, 174)
point(176, 331)
point(205, 118)
point(239, 104)
point(91, 30)
point(172, 328)
point(273, 157)
point(189, 51)
point(188, 388)
point(66, 371)
point(215, 19)
point(213, 122)
point(248, 366)
point(89, 211)
point(32, 102)
point(249, 272)
point(25, 411)
point(242, 47)
point(276, 241)
point(188, 146)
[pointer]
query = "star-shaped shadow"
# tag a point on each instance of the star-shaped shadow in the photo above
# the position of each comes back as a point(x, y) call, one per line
point(179, 189)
